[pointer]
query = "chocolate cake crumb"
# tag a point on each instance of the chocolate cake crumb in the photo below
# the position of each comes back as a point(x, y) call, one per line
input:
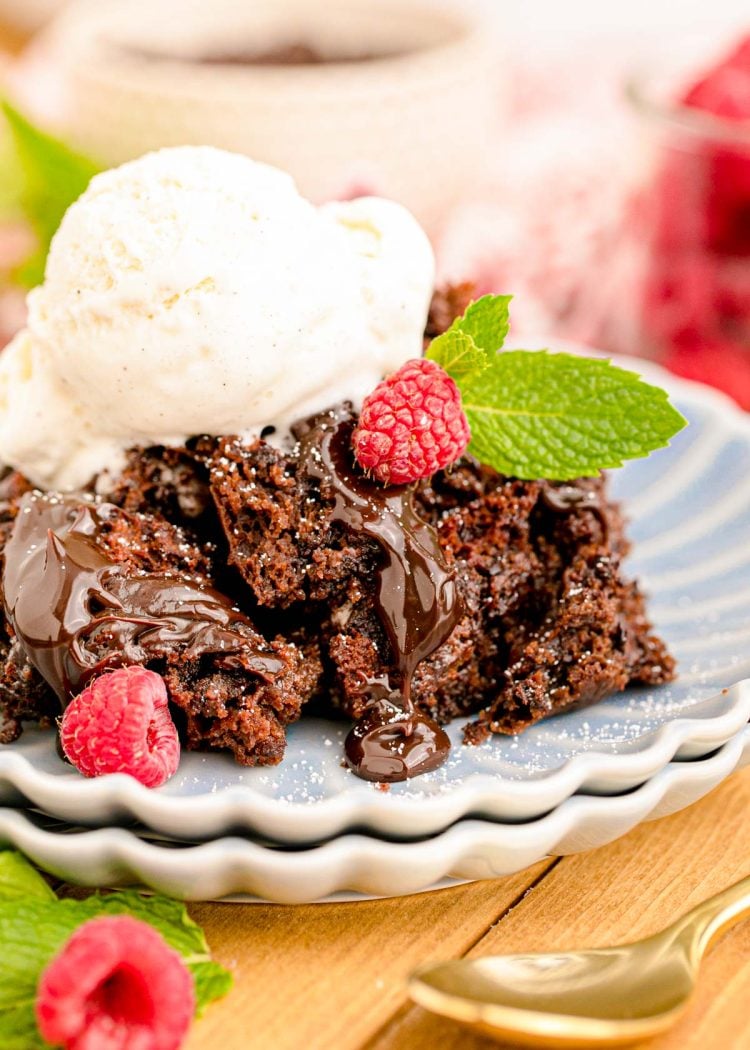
point(172, 482)
point(24, 694)
point(549, 621)
point(448, 303)
point(276, 523)
point(145, 590)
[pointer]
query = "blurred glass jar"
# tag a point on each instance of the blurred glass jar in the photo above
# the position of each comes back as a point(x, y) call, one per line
point(690, 243)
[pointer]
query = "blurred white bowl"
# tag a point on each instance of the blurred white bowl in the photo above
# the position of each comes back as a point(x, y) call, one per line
point(402, 107)
point(27, 15)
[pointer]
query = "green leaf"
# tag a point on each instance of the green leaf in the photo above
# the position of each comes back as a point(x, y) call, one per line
point(211, 982)
point(534, 414)
point(18, 1030)
point(168, 916)
point(18, 879)
point(458, 354)
point(11, 180)
point(51, 176)
point(486, 321)
point(463, 351)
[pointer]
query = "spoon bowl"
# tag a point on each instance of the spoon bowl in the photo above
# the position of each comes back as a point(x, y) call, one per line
point(597, 997)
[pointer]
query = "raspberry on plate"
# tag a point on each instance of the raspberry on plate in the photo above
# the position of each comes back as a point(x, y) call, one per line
point(115, 985)
point(121, 723)
point(411, 425)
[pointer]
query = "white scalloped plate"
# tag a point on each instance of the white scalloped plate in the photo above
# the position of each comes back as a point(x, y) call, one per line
point(690, 511)
point(360, 864)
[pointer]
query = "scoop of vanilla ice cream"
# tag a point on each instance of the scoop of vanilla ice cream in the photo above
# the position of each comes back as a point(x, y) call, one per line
point(194, 291)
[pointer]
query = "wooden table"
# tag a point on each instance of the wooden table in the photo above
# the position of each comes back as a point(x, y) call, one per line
point(332, 976)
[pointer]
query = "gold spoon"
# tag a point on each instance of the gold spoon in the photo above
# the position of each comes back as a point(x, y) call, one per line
point(600, 997)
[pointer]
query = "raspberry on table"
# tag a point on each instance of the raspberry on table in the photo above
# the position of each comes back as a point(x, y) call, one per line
point(411, 425)
point(121, 723)
point(115, 985)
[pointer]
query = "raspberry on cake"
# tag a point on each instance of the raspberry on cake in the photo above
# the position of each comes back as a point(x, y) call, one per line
point(121, 723)
point(411, 425)
point(264, 498)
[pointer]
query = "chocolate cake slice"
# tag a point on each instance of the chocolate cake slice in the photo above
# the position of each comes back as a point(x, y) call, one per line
point(547, 619)
point(543, 618)
point(89, 587)
point(258, 579)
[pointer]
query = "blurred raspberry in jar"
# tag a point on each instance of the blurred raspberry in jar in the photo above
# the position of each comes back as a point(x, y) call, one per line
point(693, 221)
point(551, 207)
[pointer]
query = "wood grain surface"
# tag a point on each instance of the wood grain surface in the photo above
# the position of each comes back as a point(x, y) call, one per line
point(332, 976)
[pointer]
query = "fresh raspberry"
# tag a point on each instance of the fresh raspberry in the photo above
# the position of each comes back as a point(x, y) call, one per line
point(411, 425)
point(115, 985)
point(725, 92)
point(121, 723)
point(723, 364)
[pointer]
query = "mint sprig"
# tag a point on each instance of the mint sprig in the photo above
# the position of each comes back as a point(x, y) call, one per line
point(486, 321)
point(35, 924)
point(48, 177)
point(458, 354)
point(536, 414)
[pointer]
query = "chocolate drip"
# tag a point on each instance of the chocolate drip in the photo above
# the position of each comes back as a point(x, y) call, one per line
point(393, 741)
point(563, 499)
point(77, 613)
point(416, 598)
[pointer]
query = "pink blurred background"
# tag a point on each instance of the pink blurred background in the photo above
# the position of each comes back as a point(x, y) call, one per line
point(592, 210)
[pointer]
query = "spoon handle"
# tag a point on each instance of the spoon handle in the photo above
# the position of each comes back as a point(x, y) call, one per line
point(706, 921)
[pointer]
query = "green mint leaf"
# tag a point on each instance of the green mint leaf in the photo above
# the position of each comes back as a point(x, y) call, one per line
point(168, 916)
point(534, 414)
point(18, 1030)
point(458, 354)
point(52, 176)
point(212, 982)
point(33, 928)
point(18, 880)
point(463, 351)
point(487, 322)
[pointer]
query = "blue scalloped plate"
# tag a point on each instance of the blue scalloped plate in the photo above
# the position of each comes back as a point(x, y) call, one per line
point(352, 865)
point(690, 520)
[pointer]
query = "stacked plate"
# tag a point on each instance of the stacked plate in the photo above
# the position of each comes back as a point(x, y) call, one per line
point(308, 828)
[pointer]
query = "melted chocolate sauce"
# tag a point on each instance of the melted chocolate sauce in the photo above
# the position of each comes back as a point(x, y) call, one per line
point(77, 613)
point(416, 598)
point(563, 499)
point(394, 741)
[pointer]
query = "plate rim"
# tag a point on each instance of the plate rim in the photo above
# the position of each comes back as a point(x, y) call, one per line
point(359, 864)
point(480, 793)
